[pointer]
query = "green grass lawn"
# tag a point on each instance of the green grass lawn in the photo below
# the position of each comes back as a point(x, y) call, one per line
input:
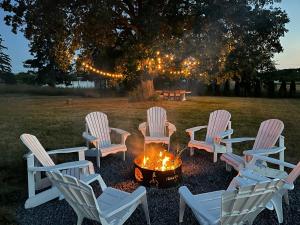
point(58, 123)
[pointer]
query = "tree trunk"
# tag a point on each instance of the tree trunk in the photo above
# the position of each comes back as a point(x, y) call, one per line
point(147, 88)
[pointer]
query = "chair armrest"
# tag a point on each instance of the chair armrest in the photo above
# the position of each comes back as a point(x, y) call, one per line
point(62, 166)
point(67, 150)
point(250, 174)
point(126, 202)
point(124, 134)
point(194, 129)
point(271, 160)
point(89, 137)
point(222, 135)
point(240, 181)
point(237, 140)
point(266, 151)
point(143, 128)
point(191, 131)
point(171, 128)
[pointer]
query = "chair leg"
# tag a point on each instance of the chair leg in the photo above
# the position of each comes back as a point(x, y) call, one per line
point(215, 157)
point(191, 151)
point(124, 156)
point(228, 167)
point(286, 198)
point(277, 202)
point(79, 219)
point(182, 206)
point(98, 161)
point(145, 208)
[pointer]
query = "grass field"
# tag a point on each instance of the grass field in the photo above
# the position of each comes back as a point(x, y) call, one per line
point(58, 122)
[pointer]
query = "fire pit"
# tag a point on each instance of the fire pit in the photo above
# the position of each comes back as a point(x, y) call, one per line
point(157, 168)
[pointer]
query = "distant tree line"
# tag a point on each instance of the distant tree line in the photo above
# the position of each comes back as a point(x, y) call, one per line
point(262, 85)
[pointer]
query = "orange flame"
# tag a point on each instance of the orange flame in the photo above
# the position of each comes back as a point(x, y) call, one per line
point(158, 159)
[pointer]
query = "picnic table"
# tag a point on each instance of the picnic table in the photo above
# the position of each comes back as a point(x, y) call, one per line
point(177, 95)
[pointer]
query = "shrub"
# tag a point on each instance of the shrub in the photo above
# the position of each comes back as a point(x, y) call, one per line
point(143, 92)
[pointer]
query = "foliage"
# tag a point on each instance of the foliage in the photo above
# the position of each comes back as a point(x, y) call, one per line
point(228, 38)
point(286, 74)
point(8, 78)
point(292, 88)
point(5, 66)
point(29, 78)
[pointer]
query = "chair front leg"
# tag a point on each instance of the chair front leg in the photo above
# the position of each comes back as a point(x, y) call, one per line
point(124, 155)
point(281, 154)
point(191, 151)
point(31, 184)
point(215, 157)
point(286, 198)
point(182, 206)
point(98, 161)
point(145, 208)
point(81, 156)
point(228, 167)
point(277, 203)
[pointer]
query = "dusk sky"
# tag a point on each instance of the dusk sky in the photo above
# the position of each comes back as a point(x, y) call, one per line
point(18, 48)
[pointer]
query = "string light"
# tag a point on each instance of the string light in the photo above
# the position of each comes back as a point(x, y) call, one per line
point(103, 73)
point(163, 63)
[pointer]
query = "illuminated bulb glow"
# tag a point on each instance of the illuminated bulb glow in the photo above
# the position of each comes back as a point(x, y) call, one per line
point(100, 72)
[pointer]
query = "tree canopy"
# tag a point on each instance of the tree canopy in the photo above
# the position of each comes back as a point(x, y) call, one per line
point(229, 38)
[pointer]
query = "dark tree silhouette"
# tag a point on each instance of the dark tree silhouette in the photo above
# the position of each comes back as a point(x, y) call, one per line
point(293, 88)
point(282, 89)
point(5, 66)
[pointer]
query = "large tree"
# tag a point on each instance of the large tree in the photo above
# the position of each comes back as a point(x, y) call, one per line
point(5, 66)
point(228, 37)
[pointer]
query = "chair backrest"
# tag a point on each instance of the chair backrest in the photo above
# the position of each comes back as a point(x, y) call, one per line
point(77, 193)
point(245, 203)
point(156, 119)
point(294, 174)
point(33, 144)
point(218, 122)
point(268, 134)
point(97, 124)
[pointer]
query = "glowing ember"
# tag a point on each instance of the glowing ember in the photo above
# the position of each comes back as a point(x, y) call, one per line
point(157, 159)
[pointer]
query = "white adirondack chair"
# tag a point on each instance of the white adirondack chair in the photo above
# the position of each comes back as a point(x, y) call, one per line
point(98, 133)
point(268, 134)
point(157, 129)
point(112, 207)
point(258, 171)
point(240, 206)
point(219, 127)
point(38, 160)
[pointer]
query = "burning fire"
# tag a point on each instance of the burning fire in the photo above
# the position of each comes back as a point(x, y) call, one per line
point(158, 159)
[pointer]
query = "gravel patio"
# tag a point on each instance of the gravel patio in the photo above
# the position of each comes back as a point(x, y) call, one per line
point(199, 175)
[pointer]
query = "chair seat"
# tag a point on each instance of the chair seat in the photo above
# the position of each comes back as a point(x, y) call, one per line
point(113, 148)
point(270, 172)
point(236, 161)
point(164, 140)
point(211, 213)
point(108, 199)
point(89, 178)
point(201, 145)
